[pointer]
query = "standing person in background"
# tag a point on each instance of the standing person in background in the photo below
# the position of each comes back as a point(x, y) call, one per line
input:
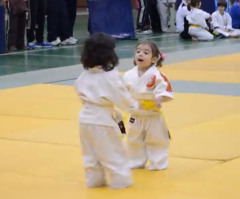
point(72, 12)
point(17, 24)
point(3, 46)
point(36, 31)
point(164, 14)
point(58, 23)
point(154, 16)
point(143, 18)
point(235, 14)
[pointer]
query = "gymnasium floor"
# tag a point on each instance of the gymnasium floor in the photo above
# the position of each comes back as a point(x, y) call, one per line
point(39, 143)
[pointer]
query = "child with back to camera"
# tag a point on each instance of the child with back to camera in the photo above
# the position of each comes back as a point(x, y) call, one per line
point(100, 87)
point(148, 136)
point(199, 29)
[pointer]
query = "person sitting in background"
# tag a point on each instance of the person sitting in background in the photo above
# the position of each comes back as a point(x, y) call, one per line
point(222, 21)
point(199, 29)
point(181, 15)
point(235, 14)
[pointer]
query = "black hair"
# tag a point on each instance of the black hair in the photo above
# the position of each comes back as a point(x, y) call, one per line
point(222, 3)
point(98, 50)
point(155, 51)
point(194, 3)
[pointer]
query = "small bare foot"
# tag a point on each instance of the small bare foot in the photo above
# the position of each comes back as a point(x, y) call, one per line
point(194, 38)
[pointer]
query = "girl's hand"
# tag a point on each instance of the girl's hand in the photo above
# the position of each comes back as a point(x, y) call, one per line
point(158, 102)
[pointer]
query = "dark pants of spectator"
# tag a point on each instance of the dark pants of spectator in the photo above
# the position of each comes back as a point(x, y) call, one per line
point(16, 30)
point(143, 21)
point(37, 12)
point(57, 20)
point(72, 12)
point(154, 16)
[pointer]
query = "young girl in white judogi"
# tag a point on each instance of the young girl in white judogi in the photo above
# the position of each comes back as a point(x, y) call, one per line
point(222, 21)
point(100, 87)
point(197, 20)
point(148, 136)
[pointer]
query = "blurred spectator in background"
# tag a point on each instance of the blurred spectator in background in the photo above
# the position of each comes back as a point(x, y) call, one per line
point(164, 13)
point(72, 12)
point(197, 19)
point(143, 17)
point(154, 16)
point(181, 22)
point(58, 23)
point(37, 11)
point(17, 23)
point(222, 21)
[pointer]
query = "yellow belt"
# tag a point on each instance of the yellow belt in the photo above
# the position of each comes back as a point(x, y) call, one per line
point(194, 26)
point(150, 105)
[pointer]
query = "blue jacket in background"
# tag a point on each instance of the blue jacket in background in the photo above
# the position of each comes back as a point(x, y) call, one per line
point(235, 14)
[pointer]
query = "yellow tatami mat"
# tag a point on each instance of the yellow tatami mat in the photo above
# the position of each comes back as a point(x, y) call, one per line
point(190, 109)
point(18, 125)
point(217, 139)
point(46, 101)
point(64, 132)
point(217, 69)
point(41, 157)
point(219, 182)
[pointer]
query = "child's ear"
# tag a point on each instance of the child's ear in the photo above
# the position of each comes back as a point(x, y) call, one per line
point(154, 60)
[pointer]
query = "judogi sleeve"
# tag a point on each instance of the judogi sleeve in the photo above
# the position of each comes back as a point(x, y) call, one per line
point(163, 88)
point(202, 21)
point(215, 23)
point(118, 92)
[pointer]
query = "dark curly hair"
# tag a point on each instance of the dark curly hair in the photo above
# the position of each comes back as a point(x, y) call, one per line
point(222, 3)
point(98, 50)
point(155, 51)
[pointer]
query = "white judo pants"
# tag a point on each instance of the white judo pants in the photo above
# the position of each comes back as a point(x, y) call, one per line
point(104, 157)
point(148, 139)
point(232, 33)
point(163, 11)
point(201, 33)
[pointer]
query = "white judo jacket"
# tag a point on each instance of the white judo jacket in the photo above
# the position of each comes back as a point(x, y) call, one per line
point(182, 12)
point(198, 26)
point(221, 21)
point(99, 91)
point(198, 17)
point(223, 24)
point(150, 85)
